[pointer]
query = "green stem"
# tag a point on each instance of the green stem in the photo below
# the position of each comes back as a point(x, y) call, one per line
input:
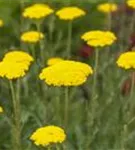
point(49, 148)
point(40, 45)
point(51, 28)
point(130, 30)
point(95, 73)
point(66, 106)
point(132, 24)
point(51, 31)
point(25, 86)
point(58, 106)
point(125, 130)
point(132, 85)
point(92, 106)
point(129, 113)
point(109, 21)
point(131, 101)
point(16, 128)
point(123, 27)
point(69, 39)
point(131, 121)
point(57, 147)
point(32, 49)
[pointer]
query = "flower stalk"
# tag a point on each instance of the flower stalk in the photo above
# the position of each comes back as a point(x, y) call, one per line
point(38, 25)
point(66, 106)
point(16, 127)
point(69, 39)
point(94, 103)
point(95, 72)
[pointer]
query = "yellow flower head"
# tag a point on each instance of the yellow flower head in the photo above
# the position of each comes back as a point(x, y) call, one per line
point(1, 23)
point(127, 60)
point(37, 11)
point(66, 73)
point(12, 70)
point(32, 36)
point(99, 38)
point(45, 136)
point(70, 13)
point(15, 64)
point(18, 57)
point(131, 3)
point(107, 7)
point(54, 60)
point(1, 109)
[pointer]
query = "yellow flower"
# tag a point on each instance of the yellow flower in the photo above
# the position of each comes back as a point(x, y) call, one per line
point(12, 70)
point(15, 64)
point(70, 13)
point(131, 3)
point(37, 11)
point(18, 57)
point(99, 38)
point(1, 109)
point(107, 7)
point(1, 23)
point(54, 60)
point(32, 36)
point(66, 73)
point(45, 136)
point(126, 60)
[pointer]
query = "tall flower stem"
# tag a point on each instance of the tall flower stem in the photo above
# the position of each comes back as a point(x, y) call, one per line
point(66, 106)
point(69, 39)
point(38, 25)
point(51, 30)
point(132, 86)
point(49, 148)
point(16, 127)
point(58, 106)
point(95, 72)
point(57, 147)
point(129, 113)
point(32, 49)
point(92, 106)
point(109, 21)
point(131, 101)
point(131, 26)
point(125, 130)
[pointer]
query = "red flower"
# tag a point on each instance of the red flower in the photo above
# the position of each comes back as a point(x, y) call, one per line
point(123, 8)
point(132, 41)
point(126, 86)
point(86, 51)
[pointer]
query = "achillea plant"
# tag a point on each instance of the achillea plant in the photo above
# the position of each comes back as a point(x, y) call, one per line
point(131, 3)
point(66, 73)
point(107, 7)
point(37, 11)
point(32, 36)
point(13, 67)
point(54, 60)
point(126, 60)
point(70, 13)
point(99, 38)
point(48, 135)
